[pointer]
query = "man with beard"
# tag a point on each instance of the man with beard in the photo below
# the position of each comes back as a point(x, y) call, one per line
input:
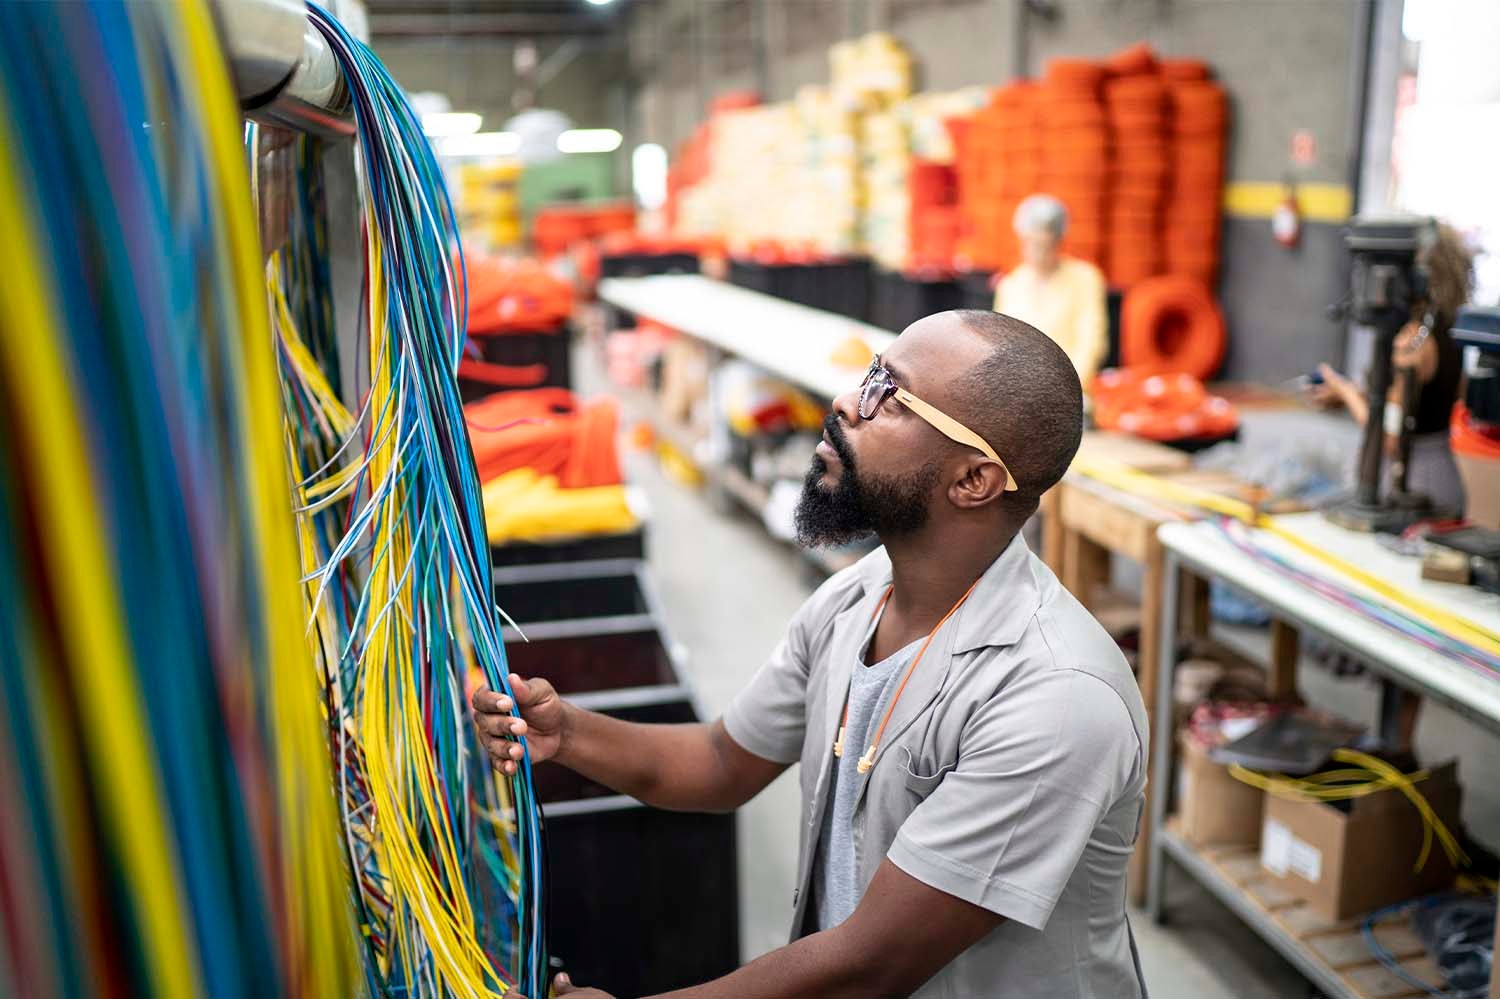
point(973, 745)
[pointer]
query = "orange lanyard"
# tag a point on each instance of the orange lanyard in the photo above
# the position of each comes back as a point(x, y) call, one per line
point(868, 760)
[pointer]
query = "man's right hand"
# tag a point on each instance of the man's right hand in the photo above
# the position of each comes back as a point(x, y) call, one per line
point(541, 722)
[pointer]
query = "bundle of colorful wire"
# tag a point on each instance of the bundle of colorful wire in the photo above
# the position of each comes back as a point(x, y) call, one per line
point(447, 857)
point(168, 824)
point(1475, 650)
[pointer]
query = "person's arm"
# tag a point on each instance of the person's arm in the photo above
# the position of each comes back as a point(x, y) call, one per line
point(902, 933)
point(681, 767)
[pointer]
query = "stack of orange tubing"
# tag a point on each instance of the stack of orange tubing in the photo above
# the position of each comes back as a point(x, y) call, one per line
point(1200, 118)
point(548, 431)
point(933, 219)
point(1076, 151)
point(999, 162)
point(556, 228)
point(511, 296)
point(1136, 101)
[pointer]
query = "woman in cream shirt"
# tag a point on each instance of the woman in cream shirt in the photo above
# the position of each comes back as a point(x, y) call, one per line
point(1061, 296)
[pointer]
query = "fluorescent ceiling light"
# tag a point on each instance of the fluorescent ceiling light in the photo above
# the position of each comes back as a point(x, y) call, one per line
point(443, 124)
point(599, 3)
point(480, 144)
point(588, 140)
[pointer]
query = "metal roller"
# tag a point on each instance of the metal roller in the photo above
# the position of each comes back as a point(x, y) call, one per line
point(283, 71)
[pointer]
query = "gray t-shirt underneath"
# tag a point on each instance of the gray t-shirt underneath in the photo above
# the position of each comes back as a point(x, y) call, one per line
point(834, 872)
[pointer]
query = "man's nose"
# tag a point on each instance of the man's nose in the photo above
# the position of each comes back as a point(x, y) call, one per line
point(847, 406)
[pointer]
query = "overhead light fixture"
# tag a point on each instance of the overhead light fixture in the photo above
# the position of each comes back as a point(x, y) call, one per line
point(588, 140)
point(600, 3)
point(443, 124)
point(480, 144)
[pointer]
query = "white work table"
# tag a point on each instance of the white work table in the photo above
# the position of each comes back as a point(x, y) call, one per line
point(793, 342)
point(1203, 550)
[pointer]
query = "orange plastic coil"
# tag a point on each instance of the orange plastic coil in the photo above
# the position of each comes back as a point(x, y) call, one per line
point(1200, 128)
point(1131, 89)
point(1134, 59)
point(549, 431)
point(1143, 121)
point(1199, 101)
point(1171, 323)
point(1073, 74)
point(1070, 113)
point(1184, 70)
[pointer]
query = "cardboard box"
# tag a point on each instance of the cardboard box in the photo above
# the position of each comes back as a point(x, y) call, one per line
point(1347, 863)
point(1214, 809)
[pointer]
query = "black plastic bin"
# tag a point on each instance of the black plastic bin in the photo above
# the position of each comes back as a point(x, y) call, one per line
point(898, 300)
point(613, 265)
point(631, 544)
point(642, 901)
point(608, 588)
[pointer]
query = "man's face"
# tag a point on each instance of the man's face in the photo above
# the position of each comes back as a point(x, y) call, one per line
point(884, 476)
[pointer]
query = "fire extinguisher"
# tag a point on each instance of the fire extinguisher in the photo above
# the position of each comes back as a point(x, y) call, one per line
point(1286, 218)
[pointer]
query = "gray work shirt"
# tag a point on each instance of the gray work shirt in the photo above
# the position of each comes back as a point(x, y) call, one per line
point(1012, 772)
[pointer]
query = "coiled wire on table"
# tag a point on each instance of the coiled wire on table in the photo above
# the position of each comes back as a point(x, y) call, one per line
point(447, 855)
point(167, 818)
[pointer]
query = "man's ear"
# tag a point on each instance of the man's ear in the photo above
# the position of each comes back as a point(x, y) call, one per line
point(979, 481)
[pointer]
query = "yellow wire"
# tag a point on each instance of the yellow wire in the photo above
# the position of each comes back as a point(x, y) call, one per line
point(319, 931)
point(1370, 775)
point(1143, 484)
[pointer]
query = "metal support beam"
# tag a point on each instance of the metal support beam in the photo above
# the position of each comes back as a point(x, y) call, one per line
point(492, 25)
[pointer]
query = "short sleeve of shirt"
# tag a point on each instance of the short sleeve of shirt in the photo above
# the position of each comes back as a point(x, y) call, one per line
point(769, 717)
point(1039, 765)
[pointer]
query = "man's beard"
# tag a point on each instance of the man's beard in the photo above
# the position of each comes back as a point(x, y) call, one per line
point(858, 506)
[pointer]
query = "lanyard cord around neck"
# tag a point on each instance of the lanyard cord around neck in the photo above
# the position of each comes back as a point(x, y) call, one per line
point(868, 760)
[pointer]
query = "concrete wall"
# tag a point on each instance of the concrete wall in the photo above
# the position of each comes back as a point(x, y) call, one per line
point(1289, 66)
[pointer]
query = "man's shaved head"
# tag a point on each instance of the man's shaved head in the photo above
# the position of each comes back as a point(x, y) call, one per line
point(1025, 400)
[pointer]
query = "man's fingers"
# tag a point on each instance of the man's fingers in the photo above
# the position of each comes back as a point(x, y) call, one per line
point(489, 702)
point(562, 984)
point(529, 693)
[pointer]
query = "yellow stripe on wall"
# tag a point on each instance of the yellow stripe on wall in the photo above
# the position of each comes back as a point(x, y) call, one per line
point(1318, 202)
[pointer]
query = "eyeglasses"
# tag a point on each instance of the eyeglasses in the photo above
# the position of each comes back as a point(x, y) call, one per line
point(879, 386)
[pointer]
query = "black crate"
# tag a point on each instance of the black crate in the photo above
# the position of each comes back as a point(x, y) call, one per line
point(897, 301)
point(579, 657)
point(641, 901)
point(631, 544)
point(532, 594)
point(841, 287)
point(551, 348)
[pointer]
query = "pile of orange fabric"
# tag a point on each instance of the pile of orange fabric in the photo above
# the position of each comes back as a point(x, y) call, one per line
point(548, 465)
point(548, 431)
point(514, 296)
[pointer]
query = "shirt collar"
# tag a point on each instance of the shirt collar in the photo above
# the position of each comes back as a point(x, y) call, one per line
point(999, 609)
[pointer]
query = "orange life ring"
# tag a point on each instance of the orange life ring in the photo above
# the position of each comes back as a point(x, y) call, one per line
point(1171, 323)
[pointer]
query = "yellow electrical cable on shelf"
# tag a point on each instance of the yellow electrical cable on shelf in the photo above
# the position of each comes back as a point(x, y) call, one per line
point(1368, 775)
point(1151, 486)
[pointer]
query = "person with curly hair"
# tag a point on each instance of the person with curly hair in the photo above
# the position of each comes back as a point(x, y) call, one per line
point(1428, 370)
